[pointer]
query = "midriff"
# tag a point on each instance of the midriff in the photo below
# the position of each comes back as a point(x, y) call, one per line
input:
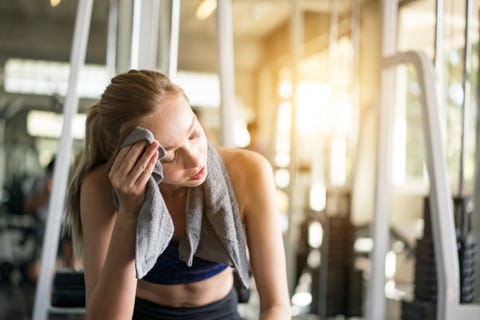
point(190, 294)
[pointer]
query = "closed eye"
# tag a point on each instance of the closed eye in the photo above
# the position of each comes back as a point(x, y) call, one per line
point(195, 133)
point(170, 159)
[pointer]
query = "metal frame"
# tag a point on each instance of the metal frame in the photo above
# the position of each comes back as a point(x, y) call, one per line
point(381, 219)
point(443, 225)
point(112, 35)
point(173, 41)
point(144, 50)
point(59, 186)
point(70, 311)
point(438, 57)
point(466, 68)
point(296, 34)
point(226, 70)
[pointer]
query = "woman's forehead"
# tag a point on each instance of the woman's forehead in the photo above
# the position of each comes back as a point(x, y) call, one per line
point(172, 122)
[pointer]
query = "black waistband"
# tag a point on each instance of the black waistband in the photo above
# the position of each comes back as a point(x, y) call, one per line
point(223, 309)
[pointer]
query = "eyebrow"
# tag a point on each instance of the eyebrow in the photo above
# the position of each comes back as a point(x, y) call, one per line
point(189, 130)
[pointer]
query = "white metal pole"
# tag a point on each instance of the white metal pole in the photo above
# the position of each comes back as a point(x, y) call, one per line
point(57, 197)
point(438, 62)
point(174, 34)
point(164, 34)
point(226, 71)
point(296, 47)
point(135, 41)
point(112, 37)
point(124, 35)
point(466, 91)
point(438, 57)
point(145, 34)
point(355, 139)
point(380, 226)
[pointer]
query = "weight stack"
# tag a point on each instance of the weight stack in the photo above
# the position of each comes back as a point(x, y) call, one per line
point(341, 286)
point(418, 310)
point(467, 253)
point(466, 250)
point(68, 289)
point(425, 302)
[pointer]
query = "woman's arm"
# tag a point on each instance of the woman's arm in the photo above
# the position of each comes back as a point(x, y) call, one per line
point(109, 259)
point(265, 243)
point(109, 237)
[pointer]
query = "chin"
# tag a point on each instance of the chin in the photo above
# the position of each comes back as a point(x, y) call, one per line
point(195, 183)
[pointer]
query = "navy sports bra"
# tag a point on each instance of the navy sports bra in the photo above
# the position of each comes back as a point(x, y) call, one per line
point(169, 269)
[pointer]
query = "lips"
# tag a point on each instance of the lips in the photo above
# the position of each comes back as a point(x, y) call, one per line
point(199, 175)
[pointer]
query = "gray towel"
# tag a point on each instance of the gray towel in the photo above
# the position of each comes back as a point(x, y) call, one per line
point(214, 230)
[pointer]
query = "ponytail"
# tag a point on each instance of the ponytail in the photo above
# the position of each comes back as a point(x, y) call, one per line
point(96, 152)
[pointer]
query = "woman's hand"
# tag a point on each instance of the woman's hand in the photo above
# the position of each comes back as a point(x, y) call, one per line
point(129, 174)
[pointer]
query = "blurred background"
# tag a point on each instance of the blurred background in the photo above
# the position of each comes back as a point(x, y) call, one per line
point(307, 91)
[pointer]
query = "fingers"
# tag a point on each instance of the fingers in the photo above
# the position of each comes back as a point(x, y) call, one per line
point(127, 157)
point(145, 174)
point(145, 164)
point(133, 162)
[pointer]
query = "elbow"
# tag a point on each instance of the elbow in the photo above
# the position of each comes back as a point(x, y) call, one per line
point(277, 312)
point(90, 315)
point(110, 312)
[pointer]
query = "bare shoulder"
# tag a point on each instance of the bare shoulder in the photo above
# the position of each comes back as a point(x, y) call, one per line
point(96, 187)
point(251, 176)
point(244, 164)
point(97, 178)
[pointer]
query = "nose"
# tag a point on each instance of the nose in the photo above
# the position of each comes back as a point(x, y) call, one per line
point(191, 158)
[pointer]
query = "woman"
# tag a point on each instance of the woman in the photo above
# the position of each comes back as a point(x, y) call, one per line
point(105, 232)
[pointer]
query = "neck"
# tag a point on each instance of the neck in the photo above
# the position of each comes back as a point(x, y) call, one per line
point(173, 192)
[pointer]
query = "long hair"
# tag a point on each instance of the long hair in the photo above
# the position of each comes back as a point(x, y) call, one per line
point(129, 98)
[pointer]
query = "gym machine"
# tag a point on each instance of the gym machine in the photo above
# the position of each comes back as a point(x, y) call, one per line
point(449, 304)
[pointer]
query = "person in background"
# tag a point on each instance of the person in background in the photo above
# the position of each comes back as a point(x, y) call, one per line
point(105, 230)
point(37, 205)
point(255, 143)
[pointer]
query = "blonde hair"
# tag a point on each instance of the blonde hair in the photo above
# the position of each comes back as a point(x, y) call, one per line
point(128, 99)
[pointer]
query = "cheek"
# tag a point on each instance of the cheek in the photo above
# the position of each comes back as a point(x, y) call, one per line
point(170, 174)
point(204, 147)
